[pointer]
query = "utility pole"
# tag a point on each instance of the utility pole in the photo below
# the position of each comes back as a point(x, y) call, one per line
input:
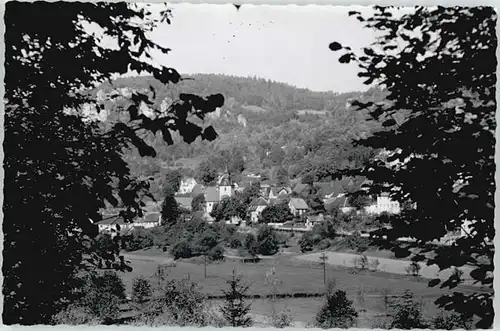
point(205, 265)
point(323, 259)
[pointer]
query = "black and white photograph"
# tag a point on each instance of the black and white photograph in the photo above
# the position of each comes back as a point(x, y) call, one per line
point(249, 165)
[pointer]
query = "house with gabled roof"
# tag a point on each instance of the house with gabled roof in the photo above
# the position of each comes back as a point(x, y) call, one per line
point(299, 188)
point(184, 201)
point(115, 223)
point(149, 220)
point(298, 206)
point(112, 224)
point(313, 220)
point(274, 192)
point(281, 198)
point(384, 203)
point(197, 190)
point(211, 198)
point(267, 183)
point(187, 185)
point(256, 208)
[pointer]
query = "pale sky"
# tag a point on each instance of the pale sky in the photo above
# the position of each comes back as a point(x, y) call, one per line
point(283, 43)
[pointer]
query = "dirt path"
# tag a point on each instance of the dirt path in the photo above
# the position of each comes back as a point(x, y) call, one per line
point(157, 259)
point(386, 265)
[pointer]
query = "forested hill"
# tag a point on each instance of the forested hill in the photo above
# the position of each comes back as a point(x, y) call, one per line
point(267, 94)
point(264, 126)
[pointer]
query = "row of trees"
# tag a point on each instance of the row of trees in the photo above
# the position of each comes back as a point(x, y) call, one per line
point(194, 237)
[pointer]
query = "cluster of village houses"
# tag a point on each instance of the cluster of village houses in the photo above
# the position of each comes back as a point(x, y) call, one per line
point(330, 192)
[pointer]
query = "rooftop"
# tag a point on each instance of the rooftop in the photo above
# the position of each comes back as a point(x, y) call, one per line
point(299, 203)
point(212, 194)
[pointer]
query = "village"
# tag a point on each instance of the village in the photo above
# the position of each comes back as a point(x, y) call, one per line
point(332, 193)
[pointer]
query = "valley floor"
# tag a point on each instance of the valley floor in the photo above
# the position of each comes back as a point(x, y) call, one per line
point(298, 273)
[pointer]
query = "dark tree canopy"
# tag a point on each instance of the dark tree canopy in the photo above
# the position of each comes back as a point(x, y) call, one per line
point(62, 166)
point(267, 240)
point(170, 210)
point(250, 193)
point(439, 132)
point(206, 173)
point(278, 213)
point(198, 203)
point(173, 180)
point(227, 208)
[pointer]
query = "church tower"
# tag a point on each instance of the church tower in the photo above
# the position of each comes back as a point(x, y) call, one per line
point(225, 186)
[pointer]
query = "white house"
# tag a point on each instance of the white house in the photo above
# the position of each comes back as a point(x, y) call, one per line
point(256, 208)
point(312, 220)
point(113, 224)
point(384, 204)
point(187, 185)
point(150, 220)
point(298, 206)
point(234, 220)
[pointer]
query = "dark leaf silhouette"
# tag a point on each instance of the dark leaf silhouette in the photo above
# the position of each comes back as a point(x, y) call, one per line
point(389, 122)
point(434, 282)
point(61, 171)
point(448, 172)
point(346, 58)
point(335, 46)
point(209, 134)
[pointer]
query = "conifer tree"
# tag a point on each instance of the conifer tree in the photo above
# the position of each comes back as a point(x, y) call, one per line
point(235, 310)
point(338, 310)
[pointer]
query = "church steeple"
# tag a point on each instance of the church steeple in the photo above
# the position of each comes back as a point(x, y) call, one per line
point(225, 185)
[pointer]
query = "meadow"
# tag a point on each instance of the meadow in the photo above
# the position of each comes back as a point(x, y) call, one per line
point(364, 288)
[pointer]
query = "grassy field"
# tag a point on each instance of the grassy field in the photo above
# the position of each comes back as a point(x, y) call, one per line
point(296, 275)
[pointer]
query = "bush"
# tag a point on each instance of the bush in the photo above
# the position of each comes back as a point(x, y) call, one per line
point(413, 269)
point(99, 300)
point(358, 243)
point(446, 320)
point(305, 242)
point(235, 243)
point(283, 239)
point(74, 315)
point(406, 313)
point(103, 306)
point(361, 262)
point(282, 319)
point(216, 253)
point(324, 244)
point(381, 323)
point(374, 264)
point(108, 282)
point(338, 310)
point(139, 238)
point(180, 303)
point(182, 250)
point(141, 290)
point(250, 245)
